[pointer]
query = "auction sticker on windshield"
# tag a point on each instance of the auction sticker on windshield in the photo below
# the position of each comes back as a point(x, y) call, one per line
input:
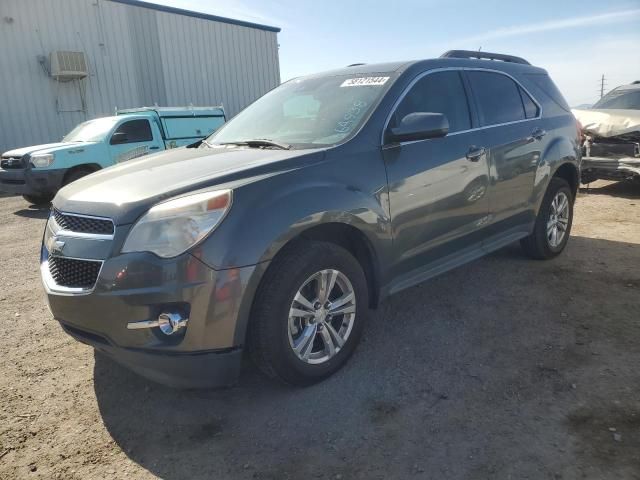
point(364, 81)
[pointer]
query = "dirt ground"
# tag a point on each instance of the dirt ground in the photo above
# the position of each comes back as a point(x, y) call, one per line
point(506, 368)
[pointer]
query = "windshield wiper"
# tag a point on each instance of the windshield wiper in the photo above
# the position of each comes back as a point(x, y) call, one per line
point(259, 142)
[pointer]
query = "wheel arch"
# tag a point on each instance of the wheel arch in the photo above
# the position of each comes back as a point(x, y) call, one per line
point(342, 234)
point(560, 159)
point(355, 242)
point(85, 167)
point(569, 172)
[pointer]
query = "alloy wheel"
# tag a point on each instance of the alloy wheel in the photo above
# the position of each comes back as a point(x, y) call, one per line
point(321, 316)
point(558, 222)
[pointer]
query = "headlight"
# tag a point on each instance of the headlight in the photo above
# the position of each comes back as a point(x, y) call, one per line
point(172, 227)
point(41, 160)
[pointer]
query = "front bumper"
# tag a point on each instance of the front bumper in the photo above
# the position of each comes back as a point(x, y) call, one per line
point(27, 181)
point(607, 168)
point(138, 287)
point(179, 370)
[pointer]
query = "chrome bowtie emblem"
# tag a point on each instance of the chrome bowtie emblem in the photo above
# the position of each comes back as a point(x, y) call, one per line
point(55, 246)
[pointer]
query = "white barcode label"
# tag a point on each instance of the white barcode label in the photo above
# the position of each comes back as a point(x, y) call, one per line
point(364, 81)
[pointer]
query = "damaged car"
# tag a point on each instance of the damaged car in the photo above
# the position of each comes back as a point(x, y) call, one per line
point(611, 136)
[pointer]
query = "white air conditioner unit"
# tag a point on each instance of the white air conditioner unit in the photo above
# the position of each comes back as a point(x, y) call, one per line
point(68, 65)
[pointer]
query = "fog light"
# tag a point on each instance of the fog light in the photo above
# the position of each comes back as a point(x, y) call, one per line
point(168, 323)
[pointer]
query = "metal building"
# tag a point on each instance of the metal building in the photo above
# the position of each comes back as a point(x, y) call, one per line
point(66, 61)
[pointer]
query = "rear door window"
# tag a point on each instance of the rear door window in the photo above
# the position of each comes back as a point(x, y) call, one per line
point(498, 98)
point(439, 92)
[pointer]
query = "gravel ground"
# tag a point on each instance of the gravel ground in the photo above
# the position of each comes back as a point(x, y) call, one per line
point(506, 368)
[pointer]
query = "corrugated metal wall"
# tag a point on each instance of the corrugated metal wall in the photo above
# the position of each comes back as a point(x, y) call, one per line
point(137, 56)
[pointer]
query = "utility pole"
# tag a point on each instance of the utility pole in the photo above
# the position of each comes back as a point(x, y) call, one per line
point(602, 84)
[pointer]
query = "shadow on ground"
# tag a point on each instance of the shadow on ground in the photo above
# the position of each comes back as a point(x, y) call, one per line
point(28, 210)
point(630, 190)
point(505, 368)
point(40, 212)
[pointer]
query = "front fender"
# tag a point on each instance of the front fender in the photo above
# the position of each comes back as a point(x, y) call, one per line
point(94, 153)
point(268, 213)
point(72, 155)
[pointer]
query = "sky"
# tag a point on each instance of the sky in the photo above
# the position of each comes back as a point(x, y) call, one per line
point(576, 41)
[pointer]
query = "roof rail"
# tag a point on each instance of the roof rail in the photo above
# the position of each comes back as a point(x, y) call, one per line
point(355, 65)
point(484, 56)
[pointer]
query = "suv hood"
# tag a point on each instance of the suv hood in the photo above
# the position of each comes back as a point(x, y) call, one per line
point(125, 191)
point(608, 123)
point(45, 148)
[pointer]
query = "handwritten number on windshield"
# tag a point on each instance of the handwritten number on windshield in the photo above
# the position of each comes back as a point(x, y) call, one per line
point(352, 115)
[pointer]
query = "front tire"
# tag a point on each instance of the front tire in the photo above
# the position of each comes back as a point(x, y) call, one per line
point(39, 200)
point(74, 175)
point(553, 224)
point(309, 313)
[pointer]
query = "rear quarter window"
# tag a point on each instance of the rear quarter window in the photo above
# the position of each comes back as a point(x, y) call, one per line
point(531, 110)
point(544, 83)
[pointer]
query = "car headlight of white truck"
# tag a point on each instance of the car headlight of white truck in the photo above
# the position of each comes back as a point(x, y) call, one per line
point(42, 160)
point(172, 227)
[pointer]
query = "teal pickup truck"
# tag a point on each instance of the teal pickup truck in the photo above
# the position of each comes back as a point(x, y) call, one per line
point(38, 172)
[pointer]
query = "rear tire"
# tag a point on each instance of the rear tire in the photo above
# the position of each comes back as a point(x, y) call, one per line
point(553, 224)
point(39, 200)
point(291, 306)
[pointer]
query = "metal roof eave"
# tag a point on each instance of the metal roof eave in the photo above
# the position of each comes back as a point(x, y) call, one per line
point(191, 13)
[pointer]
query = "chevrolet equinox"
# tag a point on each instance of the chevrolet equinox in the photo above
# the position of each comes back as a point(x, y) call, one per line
point(280, 231)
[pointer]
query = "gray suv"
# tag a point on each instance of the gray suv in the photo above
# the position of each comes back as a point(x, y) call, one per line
point(279, 232)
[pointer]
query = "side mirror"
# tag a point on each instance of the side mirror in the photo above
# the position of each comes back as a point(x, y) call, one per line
point(118, 138)
point(419, 126)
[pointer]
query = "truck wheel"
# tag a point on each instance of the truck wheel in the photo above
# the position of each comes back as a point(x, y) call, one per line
point(39, 200)
point(74, 175)
point(309, 313)
point(553, 224)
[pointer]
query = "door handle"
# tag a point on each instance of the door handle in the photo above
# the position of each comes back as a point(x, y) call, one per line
point(474, 153)
point(537, 134)
point(154, 148)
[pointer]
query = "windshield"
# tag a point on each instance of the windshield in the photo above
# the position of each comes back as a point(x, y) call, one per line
point(626, 99)
point(307, 112)
point(91, 131)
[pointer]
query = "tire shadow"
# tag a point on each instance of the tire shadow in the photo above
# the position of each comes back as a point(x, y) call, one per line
point(38, 212)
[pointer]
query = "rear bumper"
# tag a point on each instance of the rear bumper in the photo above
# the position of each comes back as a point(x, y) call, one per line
point(31, 182)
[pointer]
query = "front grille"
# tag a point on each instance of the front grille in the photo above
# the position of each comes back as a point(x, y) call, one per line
point(80, 224)
point(72, 273)
point(8, 163)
